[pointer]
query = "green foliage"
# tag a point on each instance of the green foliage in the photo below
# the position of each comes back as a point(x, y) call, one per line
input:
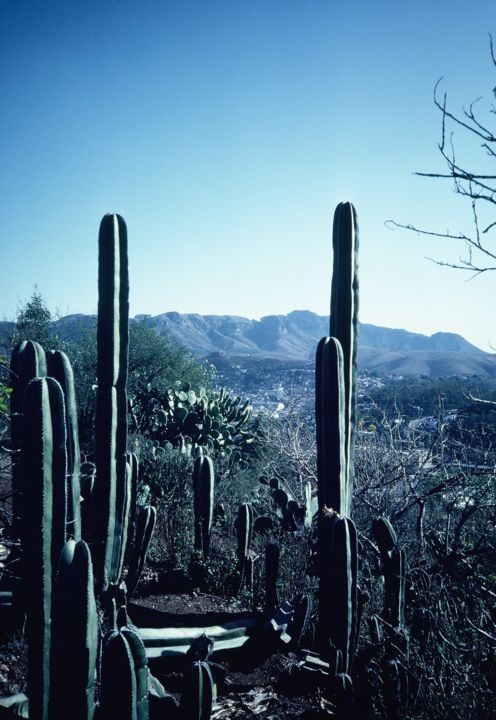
point(166, 482)
point(155, 362)
point(154, 365)
point(33, 321)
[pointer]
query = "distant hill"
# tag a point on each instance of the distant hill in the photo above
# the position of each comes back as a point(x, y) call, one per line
point(293, 337)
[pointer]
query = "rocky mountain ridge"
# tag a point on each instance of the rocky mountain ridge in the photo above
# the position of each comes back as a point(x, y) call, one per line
point(293, 338)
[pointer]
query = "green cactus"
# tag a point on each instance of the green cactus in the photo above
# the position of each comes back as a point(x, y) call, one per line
point(132, 460)
point(344, 318)
point(271, 575)
point(118, 691)
point(111, 483)
point(203, 490)
point(197, 700)
point(144, 530)
point(333, 488)
point(335, 425)
point(87, 484)
point(393, 671)
point(75, 636)
point(59, 367)
point(191, 421)
point(244, 529)
point(44, 466)
point(393, 569)
point(27, 362)
point(138, 653)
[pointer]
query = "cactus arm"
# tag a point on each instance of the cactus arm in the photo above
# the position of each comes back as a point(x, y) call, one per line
point(344, 315)
point(59, 367)
point(120, 538)
point(330, 418)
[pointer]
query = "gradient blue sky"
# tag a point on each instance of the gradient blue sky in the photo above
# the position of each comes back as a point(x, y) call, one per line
point(225, 133)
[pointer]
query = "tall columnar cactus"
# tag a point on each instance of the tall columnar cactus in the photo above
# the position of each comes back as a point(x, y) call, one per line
point(344, 317)
point(75, 636)
point(111, 483)
point(203, 491)
point(44, 467)
point(59, 367)
point(335, 422)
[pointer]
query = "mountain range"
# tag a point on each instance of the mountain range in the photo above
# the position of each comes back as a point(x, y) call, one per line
point(293, 338)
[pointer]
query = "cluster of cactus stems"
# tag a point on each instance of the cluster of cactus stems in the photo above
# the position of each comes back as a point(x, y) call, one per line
point(339, 609)
point(335, 416)
point(66, 585)
point(193, 421)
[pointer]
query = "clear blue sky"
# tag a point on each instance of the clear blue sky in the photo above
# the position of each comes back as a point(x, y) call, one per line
point(225, 133)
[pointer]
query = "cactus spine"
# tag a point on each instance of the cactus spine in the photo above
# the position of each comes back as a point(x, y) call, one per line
point(111, 484)
point(44, 464)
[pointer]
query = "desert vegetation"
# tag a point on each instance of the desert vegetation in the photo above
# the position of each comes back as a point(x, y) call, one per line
point(165, 553)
